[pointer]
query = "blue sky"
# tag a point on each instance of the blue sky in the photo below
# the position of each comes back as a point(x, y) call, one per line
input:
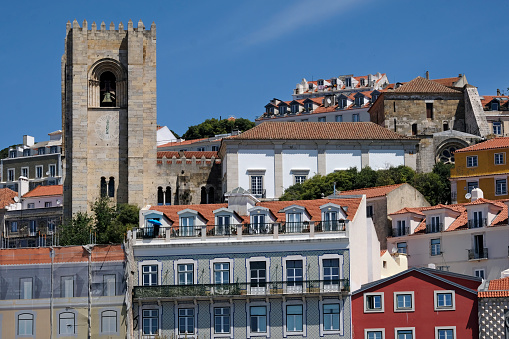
point(229, 58)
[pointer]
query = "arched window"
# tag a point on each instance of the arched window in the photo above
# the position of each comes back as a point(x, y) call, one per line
point(107, 87)
point(66, 323)
point(210, 196)
point(103, 187)
point(203, 195)
point(25, 324)
point(160, 196)
point(167, 196)
point(111, 187)
point(108, 322)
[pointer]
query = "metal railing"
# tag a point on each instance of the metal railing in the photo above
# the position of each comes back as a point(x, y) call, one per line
point(400, 231)
point(239, 289)
point(222, 230)
point(434, 228)
point(186, 231)
point(258, 228)
point(331, 226)
point(294, 227)
point(476, 223)
point(478, 254)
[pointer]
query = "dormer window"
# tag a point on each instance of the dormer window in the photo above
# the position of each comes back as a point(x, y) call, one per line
point(434, 226)
point(26, 152)
point(319, 82)
point(12, 154)
point(333, 219)
point(282, 109)
point(295, 108)
point(309, 107)
point(343, 103)
point(363, 82)
point(41, 150)
point(348, 82)
point(270, 110)
point(494, 106)
point(477, 221)
point(186, 228)
point(359, 101)
point(374, 97)
point(334, 82)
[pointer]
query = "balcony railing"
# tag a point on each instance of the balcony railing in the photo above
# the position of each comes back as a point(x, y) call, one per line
point(434, 228)
point(240, 289)
point(294, 227)
point(476, 223)
point(478, 254)
point(222, 230)
point(258, 228)
point(400, 231)
point(331, 226)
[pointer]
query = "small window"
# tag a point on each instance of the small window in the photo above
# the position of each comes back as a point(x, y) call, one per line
point(295, 108)
point(12, 154)
point(343, 103)
point(429, 110)
point(108, 322)
point(258, 319)
point(53, 149)
point(14, 226)
point(222, 273)
point(185, 274)
point(31, 205)
point(499, 158)
point(472, 161)
point(201, 149)
point(445, 126)
point(67, 287)
point(402, 247)
point(149, 275)
point(282, 110)
point(322, 119)
point(404, 301)
point(52, 171)
point(150, 322)
point(26, 152)
point(186, 228)
point(348, 82)
point(66, 323)
point(26, 288)
point(186, 320)
point(109, 284)
point(299, 179)
point(257, 185)
point(294, 317)
point(222, 319)
point(104, 189)
point(369, 211)
point(435, 247)
point(25, 324)
point(414, 129)
point(24, 172)
point(41, 150)
point(304, 120)
point(160, 196)
point(479, 272)
point(494, 106)
point(501, 187)
point(471, 185)
point(497, 128)
point(38, 172)
point(374, 334)
point(444, 300)
point(111, 187)
point(355, 117)
point(373, 302)
point(215, 148)
point(10, 174)
point(47, 204)
point(406, 333)
point(445, 333)
point(339, 118)
point(331, 315)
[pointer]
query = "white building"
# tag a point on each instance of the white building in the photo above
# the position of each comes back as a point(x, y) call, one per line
point(272, 156)
point(470, 238)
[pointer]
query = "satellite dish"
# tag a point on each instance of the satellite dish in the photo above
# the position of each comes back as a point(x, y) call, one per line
point(394, 250)
point(468, 196)
point(16, 199)
point(58, 202)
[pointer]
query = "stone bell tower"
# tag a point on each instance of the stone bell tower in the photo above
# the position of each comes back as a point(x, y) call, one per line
point(109, 114)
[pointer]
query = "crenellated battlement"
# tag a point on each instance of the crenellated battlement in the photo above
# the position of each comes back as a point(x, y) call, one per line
point(130, 28)
point(188, 162)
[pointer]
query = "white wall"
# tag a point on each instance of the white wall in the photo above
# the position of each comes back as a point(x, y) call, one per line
point(164, 136)
point(381, 159)
point(257, 160)
point(342, 159)
point(39, 202)
point(298, 160)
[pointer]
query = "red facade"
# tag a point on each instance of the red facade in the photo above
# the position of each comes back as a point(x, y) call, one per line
point(427, 315)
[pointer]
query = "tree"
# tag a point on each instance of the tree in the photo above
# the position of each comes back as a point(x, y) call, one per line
point(77, 231)
point(212, 127)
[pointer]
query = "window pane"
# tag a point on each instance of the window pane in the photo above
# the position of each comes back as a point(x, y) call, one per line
point(109, 322)
point(25, 324)
point(66, 323)
point(331, 317)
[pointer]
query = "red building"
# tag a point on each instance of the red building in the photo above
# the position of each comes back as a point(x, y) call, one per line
point(417, 303)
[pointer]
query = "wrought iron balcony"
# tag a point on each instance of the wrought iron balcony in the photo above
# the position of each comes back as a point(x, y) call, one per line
point(258, 228)
point(400, 231)
point(294, 227)
point(331, 226)
point(222, 230)
point(434, 228)
point(207, 291)
point(478, 254)
point(476, 223)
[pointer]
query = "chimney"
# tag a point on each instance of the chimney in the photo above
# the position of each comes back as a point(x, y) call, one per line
point(498, 91)
point(22, 186)
point(28, 140)
point(432, 266)
point(427, 75)
point(477, 193)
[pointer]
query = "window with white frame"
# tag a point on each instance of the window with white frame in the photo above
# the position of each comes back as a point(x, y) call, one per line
point(348, 82)
point(405, 333)
point(472, 161)
point(109, 283)
point(331, 315)
point(401, 228)
point(404, 301)
point(186, 227)
point(109, 321)
point(443, 332)
point(48, 204)
point(294, 273)
point(373, 302)
point(24, 172)
point(12, 153)
point(258, 274)
point(67, 286)
point(308, 106)
point(375, 333)
point(31, 205)
point(497, 128)
point(150, 321)
point(222, 316)
point(186, 320)
point(32, 227)
point(444, 300)
point(14, 226)
point(26, 152)
point(359, 101)
point(258, 319)
point(185, 274)
point(471, 185)
point(149, 275)
point(402, 247)
point(258, 224)
point(41, 150)
point(435, 247)
point(52, 170)
point(257, 184)
point(26, 288)
point(434, 227)
point(294, 222)
point(299, 179)
point(343, 103)
point(501, 187)
point(479, 272)
point(10, 174)
point(38, 172)
point(25, 324)
point(499, 158)
point(330, 272)
point(222, 225)
point(294, 318)
point(66, 323)
point(222, 273)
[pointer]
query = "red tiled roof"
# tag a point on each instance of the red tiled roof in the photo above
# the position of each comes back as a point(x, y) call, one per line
point(382, 252)
point(42, 191)
point(7, 197)
point(488, 98)
point(167, 154)
point(183, 143)
point(372, 192)
point(447, 81)
point(320, 131)
point(493, 294)
point(497, 288)
point(421, 85)
point(198, 155)
point(494, 143)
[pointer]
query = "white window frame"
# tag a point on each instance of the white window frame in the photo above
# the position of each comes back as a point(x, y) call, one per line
point(37, 168)
point(248, 270)
point(34, 323)
point(147, 263)
point(453, 328)
point(396, 329)
point(218, 261)
point(331, 256)
point(54, 166)
point(497, 181)
point(470, 161)
point(140, 314)
point(213, 333)
point(304, 311)
point(431, 252)
point(502, 155)
point(185, 262)
point(75, 321)
point(117, 325)
point(304, 273)
point(250, 334)
point(322, 119)
point(106, 284)
point(367, 330)
point(480, 270)
point(9, 176)
point(497, 127)
point(406, 247)
point(63, 286)
point(195, 320)
point(412, 299)
point(27, 169)
point(444, 308)
point(341, 324)
point(382, 302)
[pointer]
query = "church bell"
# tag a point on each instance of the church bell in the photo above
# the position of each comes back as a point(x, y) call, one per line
point(107, 97)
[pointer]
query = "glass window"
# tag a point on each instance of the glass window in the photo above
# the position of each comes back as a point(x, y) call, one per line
point(201, 149)
point(258, 319)
point(150, 321)
point(185, 274)
point(10, 174)
point(258, 277)
point(38, 172)
point(435, 247)
point(47, 204)
point(293, 222)
point(257, 184)
point(51, 225)
point(52, 170)
point(401, 228)
point(479, 272)
point(471, 185)
point(109, 282)
point(223, 225)
point(26, 152)
point(331, 317)
point(435, 225)
point(444, 300)
point(31, 205)
point(405, 334)
point(25, 324)
point(331, 271)
point(339, 118)
point(53, 149)
point(12, 153)
point(497, 128)
point(501, 187)
point(149, 275)
point(14, 226)
point(322, 119)
point(331, 222)
point(67, 286)
point(41, 150)
point(402, 248)
point(499, 158)
point(186, 320)
point(66, 323)
point(445, 334)
point(355, 117)
point(299, 179)
point(24, 172)
point(374, 302)
point(215, 148)
point(25, 288)
point(186, 228)
point(294, 272)
point(374, 335)
point(222, 273)
point(222, 320)
point(109, 322)
point(294, 318)
point(404, 301)
point(472, 161)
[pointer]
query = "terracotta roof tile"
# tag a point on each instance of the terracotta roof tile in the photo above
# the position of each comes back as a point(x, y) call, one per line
point(382, 252)
point(502, 142)
point(7, 197)
point(421, 85)
point(167, 154)
point(493, 294)
point(497, 288)
point(489, 98)
point(372, 192)
point(319, 131)
point(198, 155)
point(41, 191)
point(182, 143)
point(447, 81)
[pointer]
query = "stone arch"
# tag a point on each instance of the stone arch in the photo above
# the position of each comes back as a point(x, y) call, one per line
point(445, 151)
point(94, 82)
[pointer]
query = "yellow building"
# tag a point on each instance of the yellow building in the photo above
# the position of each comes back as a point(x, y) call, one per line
point(484, 166)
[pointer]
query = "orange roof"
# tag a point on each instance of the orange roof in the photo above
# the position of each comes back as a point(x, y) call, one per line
point(447, 81)
point(168, 154)
point(497, 288)
point(372, 192)
point(382, 252)
point(185, 142)
point(43, 191)
point(319, 131)
point(198, 155)
point(41, 255)
point(7, 197)
point(501, 142)
point(488, 98)
point(421, 85)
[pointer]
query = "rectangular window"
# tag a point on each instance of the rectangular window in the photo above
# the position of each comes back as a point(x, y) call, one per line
point(403, 301)
point(41, 150)
point(499, 158)
point(26, 152)
point(24, 172)
point(471, 185)
point(304, 120)
point(51, 225)
point(31, 205)
point(402, 247)
point(215, 148)
point(66, 323)
point(444, 300)
point(38, 172)
point(14, 226)
point(373, 302)
point(331, 317)
point(501, 187)
point(108, 321)
point(52, 170)
point(221, 319)
point(257, 184)
point(186, 320)
point(10, 174)
point(149, 275)
point(294, 272)
point(185, 274)
point(374, 335)
point(222, 273)
point(47, 204)
point(434, 227)
point(429, 112)
point(32, 228)
point(258, 319)
point(294, 318)
point(497, 128)
point(109, 283)
point(295, 108)
point(339, 118)
point(472, 161)
point(299, 179)
point(435, 247)
point(53, 149)
point(479, 272)
point(67, 286)
point(12, 154)
point(258, 274)
point(25, 288)
point(355, 117)
point(150, 319)
point(186, 228)
point(369, 211)
point(322, 119)
point(294, 222)
point(401, 229)
point(25, 324)
point(404, 334)
point(282, 110)
point(330, 272)
point(201, 149)
point(445, 333)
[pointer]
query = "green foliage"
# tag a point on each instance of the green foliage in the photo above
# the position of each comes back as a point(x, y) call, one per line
point(435, 186)
point(212, 127)
point(175, 134)
point(5, 152)
point(77, 231)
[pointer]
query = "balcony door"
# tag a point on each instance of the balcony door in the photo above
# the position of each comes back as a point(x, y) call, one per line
point(258, 272)
point(479, 246)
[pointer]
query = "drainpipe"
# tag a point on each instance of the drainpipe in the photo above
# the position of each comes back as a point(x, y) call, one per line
point(52, 256)
point(88, 248)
